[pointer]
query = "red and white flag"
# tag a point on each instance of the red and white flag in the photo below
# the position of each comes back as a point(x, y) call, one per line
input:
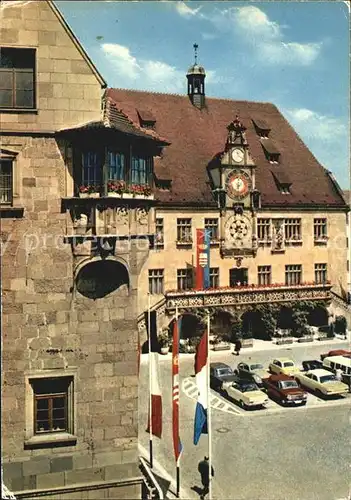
point(156, 399)
point(177, 445)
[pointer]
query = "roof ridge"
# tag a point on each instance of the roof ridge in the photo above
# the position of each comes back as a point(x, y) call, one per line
point(185, 96)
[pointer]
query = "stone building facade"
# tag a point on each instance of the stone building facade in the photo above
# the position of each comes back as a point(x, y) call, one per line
point(69, 330)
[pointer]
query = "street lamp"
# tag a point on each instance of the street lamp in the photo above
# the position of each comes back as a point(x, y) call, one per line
point(215, 172)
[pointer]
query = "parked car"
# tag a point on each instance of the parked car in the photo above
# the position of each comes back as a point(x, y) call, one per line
point(283, 365)
point(285, 390)
point(311, 364)
point(252, 371)
point(336, 352)
point(322, 382)
point(246, 393)
point(219, 373)
point(342, 363)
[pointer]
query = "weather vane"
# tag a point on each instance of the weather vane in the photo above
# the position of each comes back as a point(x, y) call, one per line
point(195, 49)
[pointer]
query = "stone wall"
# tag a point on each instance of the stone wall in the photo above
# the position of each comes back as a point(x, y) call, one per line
point(68, 91)
point(49, 328)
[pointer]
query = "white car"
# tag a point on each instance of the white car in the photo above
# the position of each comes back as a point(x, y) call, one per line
point(246, 393)
point(323, 382)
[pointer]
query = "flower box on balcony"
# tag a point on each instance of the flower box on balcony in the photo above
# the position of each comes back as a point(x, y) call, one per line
point(323, 240)
point(89, 195)
point(129, 196)
point(186, 242)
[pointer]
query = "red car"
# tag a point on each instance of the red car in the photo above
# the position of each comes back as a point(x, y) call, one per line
point(285, 390)
point(337, 352)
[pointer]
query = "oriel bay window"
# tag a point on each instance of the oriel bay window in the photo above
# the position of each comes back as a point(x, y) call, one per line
point(104, 170)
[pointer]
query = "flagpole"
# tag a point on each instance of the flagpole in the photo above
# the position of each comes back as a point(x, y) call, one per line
point(209, 426)
point(178, 459)
point(150, 382)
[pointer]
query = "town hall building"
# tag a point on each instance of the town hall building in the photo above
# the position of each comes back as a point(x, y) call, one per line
point(101, 193)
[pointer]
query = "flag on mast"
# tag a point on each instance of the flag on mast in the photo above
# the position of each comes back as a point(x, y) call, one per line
point(200, 423)
point(177, 445)
point(156, 399)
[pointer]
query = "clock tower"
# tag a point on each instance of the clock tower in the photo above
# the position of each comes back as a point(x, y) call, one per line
point(241, 199)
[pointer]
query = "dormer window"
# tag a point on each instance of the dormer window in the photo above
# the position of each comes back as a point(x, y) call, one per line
point(262, 128)
point(282, 181)
point(146, 119)
point(273, 158)
point(271, 152)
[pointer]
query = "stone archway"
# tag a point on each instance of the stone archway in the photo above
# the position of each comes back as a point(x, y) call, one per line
point(318, 316)
point(98, 278)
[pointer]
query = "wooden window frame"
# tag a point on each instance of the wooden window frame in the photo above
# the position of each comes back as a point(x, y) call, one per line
point(187, 275)
point(214, 277)
point(320, 230)
point(159, 227)
point(293, 274)
point(264, 275)
point(293, 230)
point(156, 281)
point(14, 89)
point(8, 200)
point(264, 230)
point(212, 225)
point(184, 231)
point(320, 273)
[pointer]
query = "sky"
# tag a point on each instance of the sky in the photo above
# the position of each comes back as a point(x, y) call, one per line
point(293, 54)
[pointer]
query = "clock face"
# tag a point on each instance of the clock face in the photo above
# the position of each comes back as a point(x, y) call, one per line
point(238, 184)
point(237, 155)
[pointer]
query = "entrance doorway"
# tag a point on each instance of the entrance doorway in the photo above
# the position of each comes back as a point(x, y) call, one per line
point(238, 276)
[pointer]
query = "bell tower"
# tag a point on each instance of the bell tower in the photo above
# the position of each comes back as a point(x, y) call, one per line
point(196, 82)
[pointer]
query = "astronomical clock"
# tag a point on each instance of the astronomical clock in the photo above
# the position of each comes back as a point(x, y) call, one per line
point(238, 214)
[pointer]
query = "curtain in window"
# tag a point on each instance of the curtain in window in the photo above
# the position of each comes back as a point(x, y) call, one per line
point(116, 166)
point(92, 168)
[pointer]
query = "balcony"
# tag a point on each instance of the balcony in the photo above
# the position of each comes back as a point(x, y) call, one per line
point(247, 295)
point(115, 217)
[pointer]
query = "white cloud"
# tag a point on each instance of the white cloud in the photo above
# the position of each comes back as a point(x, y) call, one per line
point(121, 57)
point(255, 22)
point(143, 73)
point(265, 36)
point(185, 11)
point(316, 126)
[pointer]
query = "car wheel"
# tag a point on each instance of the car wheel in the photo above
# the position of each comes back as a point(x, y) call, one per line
point(242, 404)
point(319, 394)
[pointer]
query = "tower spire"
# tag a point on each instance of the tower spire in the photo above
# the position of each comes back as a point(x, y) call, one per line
point(195, 51)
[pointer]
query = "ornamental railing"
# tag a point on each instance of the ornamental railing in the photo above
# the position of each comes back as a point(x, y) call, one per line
point(247, 295)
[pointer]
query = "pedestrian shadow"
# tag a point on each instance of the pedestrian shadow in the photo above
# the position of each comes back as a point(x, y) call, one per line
point(197, 490)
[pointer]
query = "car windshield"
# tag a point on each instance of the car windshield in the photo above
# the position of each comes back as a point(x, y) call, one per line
point(248, 388)
point(288, 363)
point(256, 367)
point(289, 384)
point(327, 378)
point(225, 371)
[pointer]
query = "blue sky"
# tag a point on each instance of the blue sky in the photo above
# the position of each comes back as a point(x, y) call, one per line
point(294, 54)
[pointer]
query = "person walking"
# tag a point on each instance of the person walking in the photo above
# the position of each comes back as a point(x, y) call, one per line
point(237, 347)
point(338, 374)
point(204, 468)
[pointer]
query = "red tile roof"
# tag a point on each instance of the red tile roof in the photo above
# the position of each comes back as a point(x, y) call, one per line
point(196, 136)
